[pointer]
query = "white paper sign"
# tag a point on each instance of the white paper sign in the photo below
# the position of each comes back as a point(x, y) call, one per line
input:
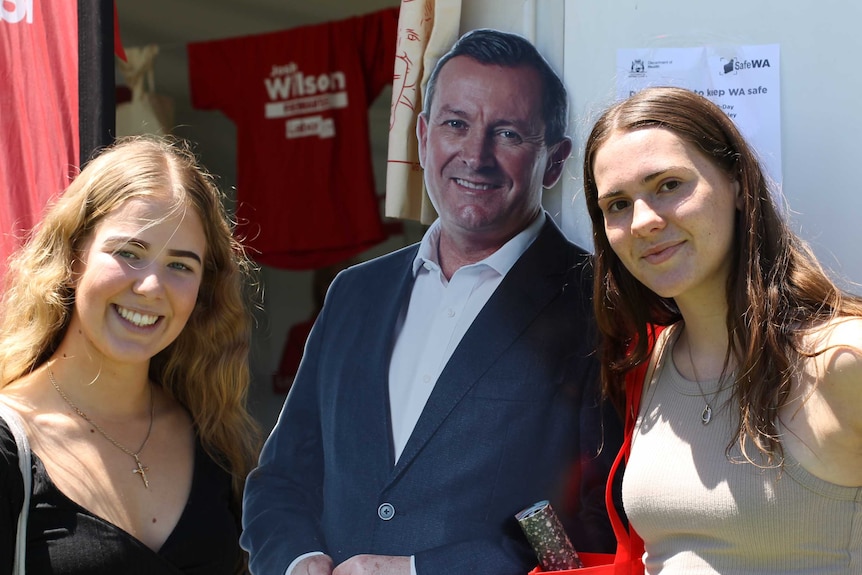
point(742, 80)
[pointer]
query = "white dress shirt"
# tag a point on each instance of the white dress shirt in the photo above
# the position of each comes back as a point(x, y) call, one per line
point(438, 315)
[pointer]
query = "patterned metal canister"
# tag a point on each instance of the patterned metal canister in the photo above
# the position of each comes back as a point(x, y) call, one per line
point(548, 538)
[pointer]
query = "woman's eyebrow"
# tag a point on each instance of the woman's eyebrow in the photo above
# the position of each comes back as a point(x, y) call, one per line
point(119, 240)
point(185, 254)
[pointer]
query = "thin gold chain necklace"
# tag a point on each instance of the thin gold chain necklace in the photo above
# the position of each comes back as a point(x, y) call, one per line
point(141, 468)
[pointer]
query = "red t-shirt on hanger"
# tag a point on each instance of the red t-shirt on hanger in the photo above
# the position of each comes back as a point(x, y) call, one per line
point(299, 98)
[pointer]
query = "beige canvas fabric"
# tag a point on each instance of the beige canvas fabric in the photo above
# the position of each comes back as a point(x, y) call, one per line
point(147, 112)
point(426, 31)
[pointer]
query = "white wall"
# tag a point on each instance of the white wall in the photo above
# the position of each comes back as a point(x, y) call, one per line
point(820, 90)
point(543, 22)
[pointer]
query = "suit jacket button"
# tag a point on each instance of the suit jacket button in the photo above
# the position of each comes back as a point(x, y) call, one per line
point(386, 511)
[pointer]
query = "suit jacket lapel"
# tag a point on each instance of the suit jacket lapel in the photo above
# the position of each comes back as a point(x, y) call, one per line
point(375, 419)
point(535, 279)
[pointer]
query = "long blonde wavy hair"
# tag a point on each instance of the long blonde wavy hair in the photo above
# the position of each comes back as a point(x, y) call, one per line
point(206, 368)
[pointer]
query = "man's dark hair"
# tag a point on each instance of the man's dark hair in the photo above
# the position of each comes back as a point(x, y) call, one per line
point(493, 47)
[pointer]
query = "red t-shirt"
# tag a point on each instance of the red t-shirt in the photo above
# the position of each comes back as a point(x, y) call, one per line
point(38, 112)
point(299, 99)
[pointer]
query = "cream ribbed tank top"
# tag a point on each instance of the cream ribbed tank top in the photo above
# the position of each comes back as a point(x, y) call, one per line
point(700, 513)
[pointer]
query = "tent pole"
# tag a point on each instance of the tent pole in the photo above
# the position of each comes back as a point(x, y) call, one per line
point(96, 101)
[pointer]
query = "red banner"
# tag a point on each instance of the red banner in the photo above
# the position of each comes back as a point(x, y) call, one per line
point(39, 146)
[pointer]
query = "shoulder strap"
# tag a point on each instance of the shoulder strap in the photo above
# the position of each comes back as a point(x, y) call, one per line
point(637, 378)
point(17, 427)
point(629, 544)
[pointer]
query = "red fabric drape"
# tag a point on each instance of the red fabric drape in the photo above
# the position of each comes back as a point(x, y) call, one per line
point(39, 144)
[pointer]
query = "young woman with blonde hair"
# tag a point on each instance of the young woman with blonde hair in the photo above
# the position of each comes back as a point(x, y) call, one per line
point(124, 341)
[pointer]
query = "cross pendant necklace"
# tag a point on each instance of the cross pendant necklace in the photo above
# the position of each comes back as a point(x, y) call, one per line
point(140, 469)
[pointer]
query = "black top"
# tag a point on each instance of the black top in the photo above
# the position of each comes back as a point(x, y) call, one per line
point(63, 538)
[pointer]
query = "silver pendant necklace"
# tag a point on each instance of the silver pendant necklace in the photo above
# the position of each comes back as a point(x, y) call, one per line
point(706, 414)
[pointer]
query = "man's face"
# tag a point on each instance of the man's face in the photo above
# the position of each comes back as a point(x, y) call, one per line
point(483, 149)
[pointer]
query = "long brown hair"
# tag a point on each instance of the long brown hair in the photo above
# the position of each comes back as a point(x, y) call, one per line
point(206, 368)
point(776, 286)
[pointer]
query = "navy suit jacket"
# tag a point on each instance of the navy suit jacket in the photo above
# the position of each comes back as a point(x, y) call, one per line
point(514, 418)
